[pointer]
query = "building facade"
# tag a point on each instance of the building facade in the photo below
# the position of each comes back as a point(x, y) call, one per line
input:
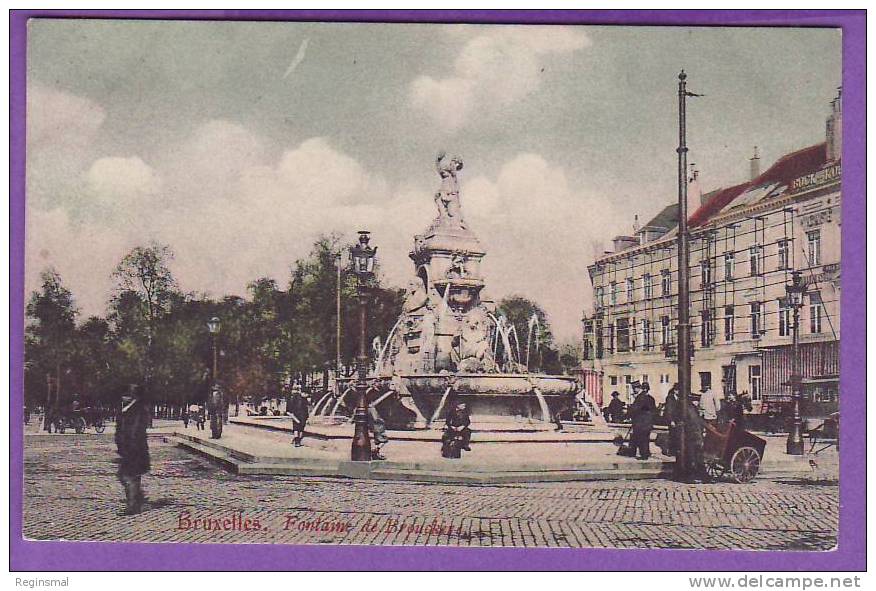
point(746, 241)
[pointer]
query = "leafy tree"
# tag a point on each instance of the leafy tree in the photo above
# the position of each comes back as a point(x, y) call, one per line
point(520, 311)
point(145, 289)
point(49, 339)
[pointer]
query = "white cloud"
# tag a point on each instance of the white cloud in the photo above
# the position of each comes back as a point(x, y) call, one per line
point(495, 68)
point(61, 128)
point(57, 119)
point(537, 228)
point(121, 182)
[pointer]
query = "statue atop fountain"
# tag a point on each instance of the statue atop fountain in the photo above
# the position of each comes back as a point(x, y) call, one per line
point(447, 197)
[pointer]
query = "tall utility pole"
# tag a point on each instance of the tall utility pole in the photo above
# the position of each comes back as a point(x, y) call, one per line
point(338, 335)
point(684, 344)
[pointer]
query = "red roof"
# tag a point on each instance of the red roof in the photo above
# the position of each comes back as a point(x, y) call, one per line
point(786, 169)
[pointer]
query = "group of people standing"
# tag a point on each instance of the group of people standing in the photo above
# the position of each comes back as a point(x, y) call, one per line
point(708, 412)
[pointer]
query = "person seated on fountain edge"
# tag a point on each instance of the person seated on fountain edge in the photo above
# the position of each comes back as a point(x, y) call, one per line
point(458, 424)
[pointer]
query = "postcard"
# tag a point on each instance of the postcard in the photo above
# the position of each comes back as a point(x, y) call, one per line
point(567, 284)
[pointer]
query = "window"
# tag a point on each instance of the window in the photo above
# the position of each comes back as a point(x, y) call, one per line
point(600, 296)
point(784, 255)
point(611, 338)
point(815, 311)
point(646, 286)
point(646, 335)
point(729, 322)
point(613, 295)
point(705, 380)
point(754, 381)
point(729, 264)
point(665, 283)
point(785, 316)
point(600, 344)
point(631, 289)
point(623, 335)
point(814, 240)
point(612, 380)
point(664, 331)
point(754, 260)
point(706, 271)
point(755, 319)
point(707, 330)
point(644, 379)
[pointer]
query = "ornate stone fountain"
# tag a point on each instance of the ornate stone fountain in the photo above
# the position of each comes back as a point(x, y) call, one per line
point(449, 344)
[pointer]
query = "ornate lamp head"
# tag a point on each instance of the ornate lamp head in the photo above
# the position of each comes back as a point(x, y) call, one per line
point(214, 324)
point(362, 256)
point(796, 289)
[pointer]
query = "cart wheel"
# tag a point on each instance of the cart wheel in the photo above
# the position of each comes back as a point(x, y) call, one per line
point(715, 470)
point(745, 464)
point(99, 427)
point(79, 425)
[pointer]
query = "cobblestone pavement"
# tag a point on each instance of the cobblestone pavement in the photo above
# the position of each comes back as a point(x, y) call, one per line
point(71, 493)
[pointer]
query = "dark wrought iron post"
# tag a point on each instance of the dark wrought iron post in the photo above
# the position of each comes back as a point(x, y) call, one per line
point(795, 433)
point(684, 345)
point(363, 264)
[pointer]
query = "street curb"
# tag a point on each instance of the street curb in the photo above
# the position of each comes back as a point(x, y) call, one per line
point(243, 463)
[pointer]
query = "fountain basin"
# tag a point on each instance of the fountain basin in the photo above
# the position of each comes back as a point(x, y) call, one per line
point(496, 402)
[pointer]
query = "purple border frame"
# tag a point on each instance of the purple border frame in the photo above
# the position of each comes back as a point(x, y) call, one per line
point(851, 552)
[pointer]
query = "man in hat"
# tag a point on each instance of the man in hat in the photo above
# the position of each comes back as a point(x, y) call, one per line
point(614, 412)
point(298, 408)
point(642, 412)
point(671, 412)
point(132, 447)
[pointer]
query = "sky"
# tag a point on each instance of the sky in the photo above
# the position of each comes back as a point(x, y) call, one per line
point(239, 143)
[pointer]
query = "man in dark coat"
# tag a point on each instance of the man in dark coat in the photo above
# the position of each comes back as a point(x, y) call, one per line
point(694, 427)
point(457, 427)
point(299, 410)
point(671, 410)
point(216, 407)
point(130, 437)
point(642, 412)
point(614, 412)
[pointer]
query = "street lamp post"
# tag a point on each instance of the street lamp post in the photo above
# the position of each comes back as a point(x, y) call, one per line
point(213, 325)
point(684, 344)
point(216, 402)
point(795, 293)
point(362, 256)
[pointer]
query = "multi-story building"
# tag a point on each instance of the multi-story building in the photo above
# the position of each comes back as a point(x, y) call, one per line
point(746, 241)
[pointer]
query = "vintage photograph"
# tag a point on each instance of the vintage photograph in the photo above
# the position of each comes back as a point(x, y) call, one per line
point(409, 284)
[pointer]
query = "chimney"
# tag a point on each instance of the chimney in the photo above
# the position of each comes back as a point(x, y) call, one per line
point(754, 165)
point(834, 128)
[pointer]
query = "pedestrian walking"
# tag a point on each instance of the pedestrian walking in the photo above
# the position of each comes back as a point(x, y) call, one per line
point(671, 412)
point(378, 430)
point(215, 406)
point(185, 416)
point(642, 412)
point(298, 408)
point(693, 428)
point(133, 448)
point(200, 417)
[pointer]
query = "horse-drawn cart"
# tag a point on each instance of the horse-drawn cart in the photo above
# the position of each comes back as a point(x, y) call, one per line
point(733, 452)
